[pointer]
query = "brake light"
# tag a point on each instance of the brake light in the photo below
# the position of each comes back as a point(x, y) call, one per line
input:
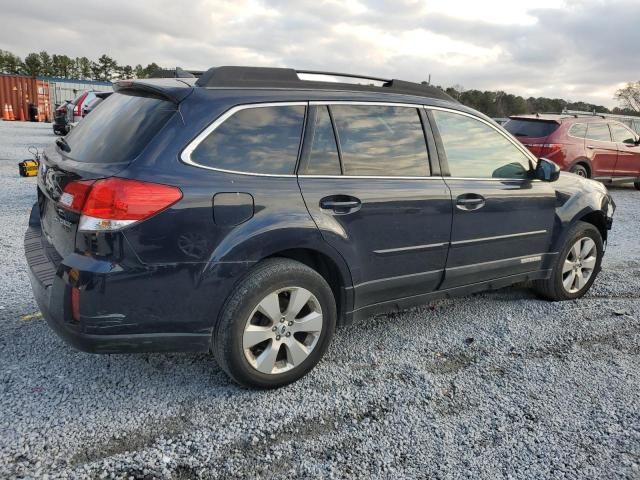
point(113, 203)
point(543, 149)
point(75, 194)
point(77, 110)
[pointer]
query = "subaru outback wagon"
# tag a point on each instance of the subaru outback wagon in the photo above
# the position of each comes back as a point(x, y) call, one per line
point(249, 212)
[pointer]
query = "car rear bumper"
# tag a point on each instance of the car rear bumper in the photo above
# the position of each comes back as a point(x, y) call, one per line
point(51, 286)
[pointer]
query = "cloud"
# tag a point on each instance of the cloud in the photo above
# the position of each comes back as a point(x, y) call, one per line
point(580, 50)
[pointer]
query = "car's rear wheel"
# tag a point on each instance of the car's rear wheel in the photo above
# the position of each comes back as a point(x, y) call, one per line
point(637, 185)
point(276, 325)
point(580, 170)
point(576, 266)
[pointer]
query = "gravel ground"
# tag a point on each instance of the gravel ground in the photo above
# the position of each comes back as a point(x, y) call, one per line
point(491, 386)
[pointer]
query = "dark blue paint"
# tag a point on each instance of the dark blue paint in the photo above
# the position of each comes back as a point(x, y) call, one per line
point(160, 284)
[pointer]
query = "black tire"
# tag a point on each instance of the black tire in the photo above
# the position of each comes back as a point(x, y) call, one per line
point(580, 170)
point(637, 185)
point(267, 277)
point(553, 288)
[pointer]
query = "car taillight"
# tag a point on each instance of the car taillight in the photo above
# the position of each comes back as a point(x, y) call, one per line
point(77, 109)
point(75, 194)
point(113, 203)
point(543, 149)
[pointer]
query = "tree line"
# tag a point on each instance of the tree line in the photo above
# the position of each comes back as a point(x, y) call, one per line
point(501, 104)
point(491, 103)
point(43, 64)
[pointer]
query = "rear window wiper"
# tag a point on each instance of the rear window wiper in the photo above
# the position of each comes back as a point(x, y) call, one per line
point(62, 143)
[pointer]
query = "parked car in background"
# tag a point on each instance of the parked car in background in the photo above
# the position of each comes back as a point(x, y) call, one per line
point(61, 118)
point(92, 104)
point(76, 113)
point(250, 212)
point(589, 146)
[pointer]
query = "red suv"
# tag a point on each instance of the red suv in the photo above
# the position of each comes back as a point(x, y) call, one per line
point(592, 147)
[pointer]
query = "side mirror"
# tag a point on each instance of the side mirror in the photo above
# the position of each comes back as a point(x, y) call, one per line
point(547, 171)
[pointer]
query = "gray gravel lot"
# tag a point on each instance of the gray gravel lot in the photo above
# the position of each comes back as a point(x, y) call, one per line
point(490, 386)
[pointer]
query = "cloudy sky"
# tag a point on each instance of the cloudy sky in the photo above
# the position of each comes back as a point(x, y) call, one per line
point(575, 49)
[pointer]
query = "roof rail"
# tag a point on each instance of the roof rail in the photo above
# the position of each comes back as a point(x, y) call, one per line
point(613, 116)
point(175, 73)
point(268, 77)
point(341, 75)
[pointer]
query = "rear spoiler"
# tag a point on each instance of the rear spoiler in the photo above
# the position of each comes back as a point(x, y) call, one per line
point(169, 89)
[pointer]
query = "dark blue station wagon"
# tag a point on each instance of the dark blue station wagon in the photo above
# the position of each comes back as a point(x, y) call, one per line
point(250, 211)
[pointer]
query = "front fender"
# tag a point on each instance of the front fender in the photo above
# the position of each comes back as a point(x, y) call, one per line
point(580, 199)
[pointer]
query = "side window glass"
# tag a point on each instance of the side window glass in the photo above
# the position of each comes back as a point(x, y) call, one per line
point(476, 150)
point(255, 140)
point(622, 134)
point(599, 132)
point(381, 140)
point(323, 154)
point(578, 130)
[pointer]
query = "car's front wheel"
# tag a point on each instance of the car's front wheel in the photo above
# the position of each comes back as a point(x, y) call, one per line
point(276, 325)
point(637, 185)
point(576, 266)
point(580, 170)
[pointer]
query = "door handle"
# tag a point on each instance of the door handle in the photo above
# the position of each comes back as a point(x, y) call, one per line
point(590, 147)
point(470, 201)
point(340, 204)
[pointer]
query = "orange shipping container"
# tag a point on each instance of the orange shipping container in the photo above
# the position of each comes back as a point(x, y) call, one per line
point(19, 91)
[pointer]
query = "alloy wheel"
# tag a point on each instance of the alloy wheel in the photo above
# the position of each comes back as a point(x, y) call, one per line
point(579, 265)
point(282, 330)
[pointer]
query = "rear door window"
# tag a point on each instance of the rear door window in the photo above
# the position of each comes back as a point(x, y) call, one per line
point(599, 132)
point(119, 130)
point(381, 140)
point(530, 128)
point(255, 140)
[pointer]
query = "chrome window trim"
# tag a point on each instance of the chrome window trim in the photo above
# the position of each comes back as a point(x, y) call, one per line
point(185, 155)
point(505, 134)
point(493, 179)
point(365, 103)
point(499, 237)
point(435, 177)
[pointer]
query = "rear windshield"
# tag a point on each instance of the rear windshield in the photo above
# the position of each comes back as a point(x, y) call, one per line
point(118, 130)
point(530, 128)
